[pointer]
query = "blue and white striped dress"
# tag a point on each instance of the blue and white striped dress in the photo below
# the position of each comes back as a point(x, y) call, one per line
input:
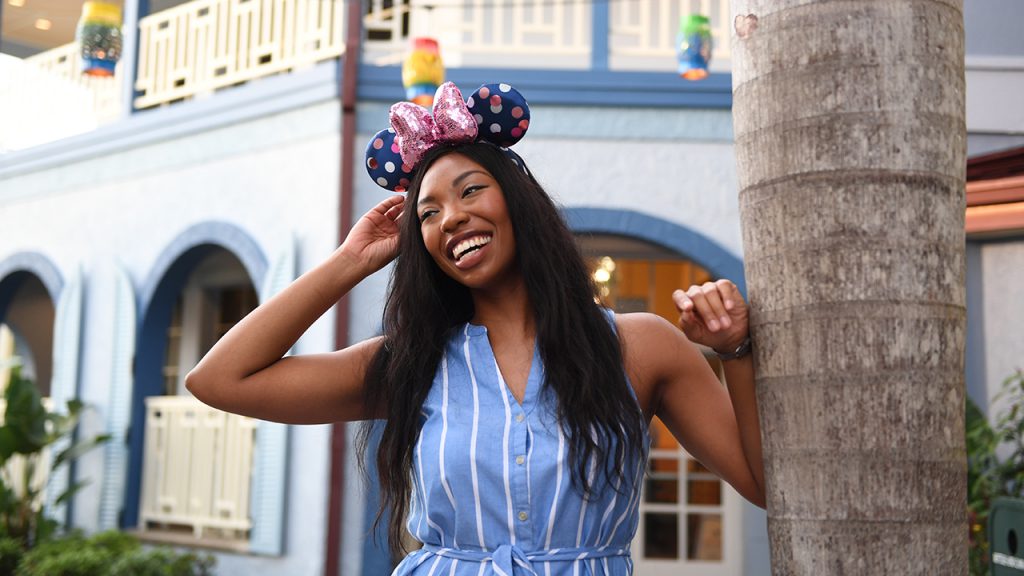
point(492, 489)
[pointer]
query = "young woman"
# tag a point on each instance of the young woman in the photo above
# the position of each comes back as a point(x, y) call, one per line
point(516, 407)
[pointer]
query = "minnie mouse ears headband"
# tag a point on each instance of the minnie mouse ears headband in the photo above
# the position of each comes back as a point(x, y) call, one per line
point(495, 113)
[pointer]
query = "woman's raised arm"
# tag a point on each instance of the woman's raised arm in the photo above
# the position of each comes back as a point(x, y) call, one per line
point(245, 371)
point(718, 425)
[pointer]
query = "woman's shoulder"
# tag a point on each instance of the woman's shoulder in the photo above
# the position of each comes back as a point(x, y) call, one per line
point(642, 325)
point(648, 344)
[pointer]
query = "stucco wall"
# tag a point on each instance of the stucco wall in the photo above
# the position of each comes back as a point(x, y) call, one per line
point(274, 178)
point(1002, 266)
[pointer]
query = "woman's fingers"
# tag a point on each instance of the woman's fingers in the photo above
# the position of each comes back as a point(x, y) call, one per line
point(729, 293)
point(708, 303)
point(390, 202)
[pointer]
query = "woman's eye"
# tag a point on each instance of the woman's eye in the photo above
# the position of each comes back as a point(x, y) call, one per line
point(469, 190)
point(427, 214)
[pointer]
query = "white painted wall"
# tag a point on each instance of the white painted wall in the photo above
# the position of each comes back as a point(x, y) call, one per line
point(274, 177)
point(1002, 265)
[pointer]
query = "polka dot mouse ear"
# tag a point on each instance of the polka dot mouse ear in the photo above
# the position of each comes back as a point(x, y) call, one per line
point(384, 162)
point(502, 114)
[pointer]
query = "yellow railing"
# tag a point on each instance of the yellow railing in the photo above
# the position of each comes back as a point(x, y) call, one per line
point(197, 469)
point(204, 45)
point(201, 46)
point(643, 33)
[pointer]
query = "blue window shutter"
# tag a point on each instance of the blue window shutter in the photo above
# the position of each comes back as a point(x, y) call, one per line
point(64, 382)
point(115, 458)
point(267, 501)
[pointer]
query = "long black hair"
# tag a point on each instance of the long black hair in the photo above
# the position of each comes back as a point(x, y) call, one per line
point(580, 351)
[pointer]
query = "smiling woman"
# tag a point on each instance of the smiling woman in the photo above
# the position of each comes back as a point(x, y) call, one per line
point(516, 407)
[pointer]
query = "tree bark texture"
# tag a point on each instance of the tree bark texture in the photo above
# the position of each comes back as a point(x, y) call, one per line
point(851, 151)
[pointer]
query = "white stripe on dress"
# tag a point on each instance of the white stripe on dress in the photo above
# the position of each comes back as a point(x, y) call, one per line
point(444, 438)
point(503, 392)
point(637, 485)
point(586, 500)
point(615, 495)
point(434, 566)
point(472, 443)
point(529, 453)
point(423, 488)
point(558, 485)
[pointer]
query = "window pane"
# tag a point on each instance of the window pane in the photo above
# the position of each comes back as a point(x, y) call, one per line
point(661, 535)
point(662, 481)
point(704, 492)
point(704, 537)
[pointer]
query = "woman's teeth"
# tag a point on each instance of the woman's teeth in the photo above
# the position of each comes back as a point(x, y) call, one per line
point(468, 245)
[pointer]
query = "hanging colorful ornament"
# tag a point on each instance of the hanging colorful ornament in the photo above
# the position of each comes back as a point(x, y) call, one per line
point(694, 46)
point(422, 71)
point(99, 34)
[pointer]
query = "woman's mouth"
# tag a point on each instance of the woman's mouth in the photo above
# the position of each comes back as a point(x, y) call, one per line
point(464, 251)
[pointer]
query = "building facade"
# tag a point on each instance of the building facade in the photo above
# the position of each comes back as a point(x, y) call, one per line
point(143, 216)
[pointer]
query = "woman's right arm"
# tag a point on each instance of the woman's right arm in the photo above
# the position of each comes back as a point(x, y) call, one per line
point(246, 372)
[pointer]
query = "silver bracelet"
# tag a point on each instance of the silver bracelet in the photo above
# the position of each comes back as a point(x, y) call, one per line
point(742, 350)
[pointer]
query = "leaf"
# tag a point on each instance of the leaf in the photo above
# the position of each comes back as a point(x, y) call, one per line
point(71, 490)
point(79, 448)
point(25, 416)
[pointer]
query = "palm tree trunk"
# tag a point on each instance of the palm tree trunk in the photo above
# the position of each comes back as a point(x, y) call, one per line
point(850, 143)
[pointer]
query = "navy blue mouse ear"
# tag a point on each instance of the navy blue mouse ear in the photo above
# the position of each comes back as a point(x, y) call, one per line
point(502, 114)
point(384, 162)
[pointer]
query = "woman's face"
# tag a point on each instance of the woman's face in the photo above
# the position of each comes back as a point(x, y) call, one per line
point(465, 223)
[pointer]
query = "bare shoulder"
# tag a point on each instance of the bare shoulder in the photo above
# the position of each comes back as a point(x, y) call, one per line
point(645, 335)
point(650, 346)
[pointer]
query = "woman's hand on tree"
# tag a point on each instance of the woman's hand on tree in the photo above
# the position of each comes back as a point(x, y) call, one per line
point(713, 314)
point(373, 240)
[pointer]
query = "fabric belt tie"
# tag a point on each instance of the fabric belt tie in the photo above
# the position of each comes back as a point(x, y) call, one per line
point(506, 557)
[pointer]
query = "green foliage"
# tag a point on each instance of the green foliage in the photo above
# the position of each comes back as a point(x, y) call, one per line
point(108, 554)
point(10, 555)
point(995, 464)
point(163, 562)
point(28, 430)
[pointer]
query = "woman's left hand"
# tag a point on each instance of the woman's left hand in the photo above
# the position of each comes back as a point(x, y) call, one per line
point(713, 314)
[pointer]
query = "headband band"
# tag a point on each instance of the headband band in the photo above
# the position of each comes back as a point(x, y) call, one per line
point(495, 113)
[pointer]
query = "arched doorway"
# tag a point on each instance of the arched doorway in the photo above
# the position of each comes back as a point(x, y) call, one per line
point(26, 330)
point(690, 520)
point(194, 463)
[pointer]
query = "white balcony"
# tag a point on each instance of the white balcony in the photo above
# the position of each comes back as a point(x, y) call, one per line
point(196, 48)
point(197, 473)
point(201, 46)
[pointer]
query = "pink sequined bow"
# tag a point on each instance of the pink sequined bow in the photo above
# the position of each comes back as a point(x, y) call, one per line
point(417, 131)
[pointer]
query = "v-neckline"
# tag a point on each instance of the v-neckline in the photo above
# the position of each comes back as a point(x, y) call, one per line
point(529, 392)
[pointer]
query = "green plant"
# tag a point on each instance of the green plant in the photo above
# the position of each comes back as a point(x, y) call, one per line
point(28, 430)
point(163, 562)
point(995, 464)
point(10, 555)
point(108, 554)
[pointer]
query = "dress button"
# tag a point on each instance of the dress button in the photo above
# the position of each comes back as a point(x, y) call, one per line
point(519, 417)
point(520, 460)
point(523, 516)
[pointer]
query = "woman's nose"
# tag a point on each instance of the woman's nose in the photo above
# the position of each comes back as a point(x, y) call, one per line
point(453, 219)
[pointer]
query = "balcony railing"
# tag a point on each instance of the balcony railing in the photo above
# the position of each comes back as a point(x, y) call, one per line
point(642, 33)
point(204, 45)
point(201, 46)
point(197, 469)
